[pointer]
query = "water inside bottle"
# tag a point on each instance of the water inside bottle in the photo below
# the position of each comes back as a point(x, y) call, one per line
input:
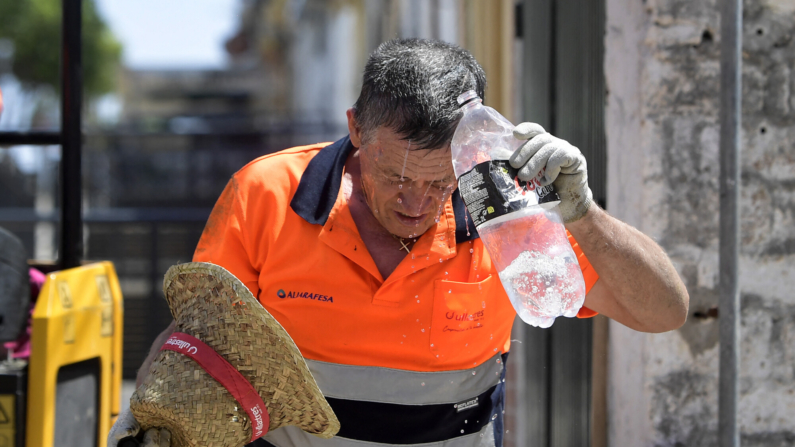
point(536, 266)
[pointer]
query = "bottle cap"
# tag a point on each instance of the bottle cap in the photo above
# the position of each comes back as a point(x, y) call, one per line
point(467, 96)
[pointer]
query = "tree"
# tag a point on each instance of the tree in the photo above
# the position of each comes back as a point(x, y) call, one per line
point(35, 28)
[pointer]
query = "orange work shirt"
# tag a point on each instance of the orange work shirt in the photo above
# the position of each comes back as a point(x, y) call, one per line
point(283, 227)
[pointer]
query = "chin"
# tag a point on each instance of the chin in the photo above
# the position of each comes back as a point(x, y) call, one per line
point(409, 231)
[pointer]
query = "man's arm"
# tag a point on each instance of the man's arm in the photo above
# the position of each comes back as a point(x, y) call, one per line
point(144, 369)
point(638, 286)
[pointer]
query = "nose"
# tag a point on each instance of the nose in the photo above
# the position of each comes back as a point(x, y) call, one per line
point(421, 196)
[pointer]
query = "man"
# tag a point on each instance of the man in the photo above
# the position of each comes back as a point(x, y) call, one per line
point(364, 252)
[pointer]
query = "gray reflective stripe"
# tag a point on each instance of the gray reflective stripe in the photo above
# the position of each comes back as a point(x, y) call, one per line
point(398, 386)
point(294, 437)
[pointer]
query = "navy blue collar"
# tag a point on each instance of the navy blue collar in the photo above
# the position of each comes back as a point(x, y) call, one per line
point(320, 184)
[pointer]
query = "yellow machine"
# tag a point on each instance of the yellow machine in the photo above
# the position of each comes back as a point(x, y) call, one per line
point(74, 373)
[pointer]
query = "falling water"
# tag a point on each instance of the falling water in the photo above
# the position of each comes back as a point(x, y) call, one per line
point(405, 157)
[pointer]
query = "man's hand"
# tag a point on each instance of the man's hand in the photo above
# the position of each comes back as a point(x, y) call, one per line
point(564, 166)
point(126, 426)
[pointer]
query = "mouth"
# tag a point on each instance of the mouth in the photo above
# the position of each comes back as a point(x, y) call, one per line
point(410, 220)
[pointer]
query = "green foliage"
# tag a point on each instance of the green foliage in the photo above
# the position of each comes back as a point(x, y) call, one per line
point(35, 28)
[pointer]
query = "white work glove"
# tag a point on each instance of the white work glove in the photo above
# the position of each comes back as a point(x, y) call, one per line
point(565, 168)
point(126, 426)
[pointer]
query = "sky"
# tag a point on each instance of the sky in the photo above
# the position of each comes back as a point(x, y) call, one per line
point(166, 34)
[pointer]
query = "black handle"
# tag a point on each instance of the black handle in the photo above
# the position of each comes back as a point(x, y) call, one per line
point(129, 441)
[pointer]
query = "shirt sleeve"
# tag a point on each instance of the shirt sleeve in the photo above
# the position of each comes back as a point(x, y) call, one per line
point(588, 273)
point(223, 241)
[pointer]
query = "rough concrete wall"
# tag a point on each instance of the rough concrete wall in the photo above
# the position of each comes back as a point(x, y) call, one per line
point(662, 73)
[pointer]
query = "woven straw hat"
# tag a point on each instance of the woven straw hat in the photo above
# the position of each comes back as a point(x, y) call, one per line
point(210, 304)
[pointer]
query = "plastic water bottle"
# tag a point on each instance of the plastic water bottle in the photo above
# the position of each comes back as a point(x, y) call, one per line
point(518, 221)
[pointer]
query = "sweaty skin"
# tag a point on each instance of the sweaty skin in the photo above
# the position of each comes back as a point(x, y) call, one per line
point(383, 206)
point(404, 188)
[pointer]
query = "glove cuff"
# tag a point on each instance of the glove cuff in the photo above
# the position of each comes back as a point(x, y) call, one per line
point(576, 206)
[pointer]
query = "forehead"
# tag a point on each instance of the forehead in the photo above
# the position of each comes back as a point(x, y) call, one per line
point(391, 155)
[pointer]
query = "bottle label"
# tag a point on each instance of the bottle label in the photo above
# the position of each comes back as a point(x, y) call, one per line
point(492, 189)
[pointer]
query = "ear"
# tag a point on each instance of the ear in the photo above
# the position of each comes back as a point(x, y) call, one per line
point(353, 129)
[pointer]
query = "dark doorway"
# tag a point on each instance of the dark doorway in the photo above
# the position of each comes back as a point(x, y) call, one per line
point(564, 91)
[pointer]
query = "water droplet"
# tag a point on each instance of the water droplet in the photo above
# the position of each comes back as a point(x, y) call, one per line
point(418, 301)
point(423, 330)
point(497, 373)
point(404, 335)
point(431, 344)
point(441, 237)
point(445, 273)
point(400, 200)
point(495, 349)
point(465, 421)
point(462, 431)
point(474, 373)
point(450, 291)
point(440, 260)
point(412, 256)
point(412, 266)
point(494, 417)
point(423, 383)
point(416, 296)
point(483, 303)
point(477, 276)
point(418, 320)
point(481, 435)
point(471, 250)
point(498, 360)
point(400, 186)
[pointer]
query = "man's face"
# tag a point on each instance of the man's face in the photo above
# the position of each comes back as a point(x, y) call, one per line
point(405, 188)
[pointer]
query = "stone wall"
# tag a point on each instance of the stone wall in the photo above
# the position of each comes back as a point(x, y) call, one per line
point(662, 70)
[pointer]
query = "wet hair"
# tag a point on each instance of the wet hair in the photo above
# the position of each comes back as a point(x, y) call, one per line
point(411, 86)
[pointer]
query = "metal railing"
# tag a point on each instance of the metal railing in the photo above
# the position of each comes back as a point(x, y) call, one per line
point(70, 135)
point(731, 12)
